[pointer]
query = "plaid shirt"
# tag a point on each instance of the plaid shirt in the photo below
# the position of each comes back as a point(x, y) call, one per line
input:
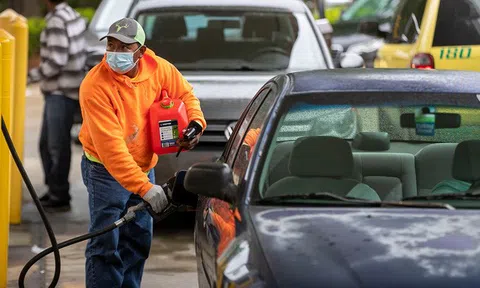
point(63, 52)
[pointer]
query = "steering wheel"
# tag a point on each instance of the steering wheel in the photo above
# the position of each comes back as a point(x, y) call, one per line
point(266, 50)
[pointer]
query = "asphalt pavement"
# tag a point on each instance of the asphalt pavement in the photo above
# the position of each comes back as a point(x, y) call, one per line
point(172, 259)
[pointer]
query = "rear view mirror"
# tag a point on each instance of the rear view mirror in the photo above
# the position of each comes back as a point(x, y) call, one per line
point(213, 180)
point(180, 196)
point(441, 120)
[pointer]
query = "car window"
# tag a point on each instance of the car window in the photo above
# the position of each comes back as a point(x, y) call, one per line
point(237, 139)
point(458, 23)
point(364, 9)
point(233, 40)
point(407, 21)
point(379, 152)
point(250, 138)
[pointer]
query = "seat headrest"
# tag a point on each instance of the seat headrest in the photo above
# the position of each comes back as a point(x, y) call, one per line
point(371, 141)
point(466, 161)
point(210, 35)
point(260, 26)
point(320, 156)
point(169, 28)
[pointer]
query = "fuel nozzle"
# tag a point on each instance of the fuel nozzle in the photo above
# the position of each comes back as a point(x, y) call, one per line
point(190, 133)
point(180, 200)
point(171, 207)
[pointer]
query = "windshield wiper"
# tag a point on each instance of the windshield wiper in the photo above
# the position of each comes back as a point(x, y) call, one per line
point(319, 195)
point(350, 200)
point(448, 196)
point(418, 205)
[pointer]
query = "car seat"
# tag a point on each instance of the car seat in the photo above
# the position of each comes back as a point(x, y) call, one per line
point(391, 175)
point(371, 141)
point(167, 39)
point(433, 164)
point(261, 26)
point(465, 170)
point(169, 28)
point(321, 164)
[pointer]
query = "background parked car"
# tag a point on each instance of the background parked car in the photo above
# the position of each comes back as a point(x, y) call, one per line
point(347, 35)
point(436, 34)
point(225, 49)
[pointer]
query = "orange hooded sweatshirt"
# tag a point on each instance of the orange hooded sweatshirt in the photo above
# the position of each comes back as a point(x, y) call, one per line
point(251, 139)
point(115, 109)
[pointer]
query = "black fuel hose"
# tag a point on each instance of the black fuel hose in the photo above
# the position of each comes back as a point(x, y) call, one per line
point(124, 220)
point(48, 227)
point(55, 248)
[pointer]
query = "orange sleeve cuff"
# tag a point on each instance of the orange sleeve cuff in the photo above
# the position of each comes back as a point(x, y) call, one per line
point(144, 190)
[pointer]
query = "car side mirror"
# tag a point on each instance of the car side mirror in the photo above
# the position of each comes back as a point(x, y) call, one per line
point(180, 195)
point(326, 29)
point(351, 60)
point(213, 180)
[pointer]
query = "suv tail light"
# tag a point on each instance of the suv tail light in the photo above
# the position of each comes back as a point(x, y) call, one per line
point(423, 61)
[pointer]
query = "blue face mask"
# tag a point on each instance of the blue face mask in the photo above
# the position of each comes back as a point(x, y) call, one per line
point(121, 62)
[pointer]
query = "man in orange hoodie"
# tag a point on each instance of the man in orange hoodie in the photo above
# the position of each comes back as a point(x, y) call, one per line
point(118, 161)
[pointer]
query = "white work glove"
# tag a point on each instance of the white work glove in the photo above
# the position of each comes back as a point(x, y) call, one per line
point(156, 198)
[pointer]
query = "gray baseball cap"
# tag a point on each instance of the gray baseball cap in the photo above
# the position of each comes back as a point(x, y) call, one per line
point(127, 30)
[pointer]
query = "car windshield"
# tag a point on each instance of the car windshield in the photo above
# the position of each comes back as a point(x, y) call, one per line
point(364, 9)
point(233, 40)
point(382, 153)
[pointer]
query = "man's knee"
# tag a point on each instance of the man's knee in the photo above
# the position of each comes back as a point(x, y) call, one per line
point(104, 247)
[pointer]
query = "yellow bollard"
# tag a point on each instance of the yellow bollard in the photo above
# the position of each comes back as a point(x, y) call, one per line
point(7, 66)
point(19, 30)
point(4, 21)
point(16, 25)
point(4, 227)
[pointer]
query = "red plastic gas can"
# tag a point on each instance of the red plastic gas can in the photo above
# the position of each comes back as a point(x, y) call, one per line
point(168, 118)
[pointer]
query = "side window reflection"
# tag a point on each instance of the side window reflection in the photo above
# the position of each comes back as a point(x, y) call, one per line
point(250, 140)
point(220, 216)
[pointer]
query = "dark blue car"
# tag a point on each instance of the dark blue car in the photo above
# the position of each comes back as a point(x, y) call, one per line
point(346, 178)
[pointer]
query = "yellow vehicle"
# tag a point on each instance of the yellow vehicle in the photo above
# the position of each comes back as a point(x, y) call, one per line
point(433, 34)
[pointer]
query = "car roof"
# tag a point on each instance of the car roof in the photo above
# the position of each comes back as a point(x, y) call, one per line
point(386, 80)
point(289, 5)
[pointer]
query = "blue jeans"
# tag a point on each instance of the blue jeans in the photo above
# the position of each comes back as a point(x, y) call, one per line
point(55, 144)
point(117, 258)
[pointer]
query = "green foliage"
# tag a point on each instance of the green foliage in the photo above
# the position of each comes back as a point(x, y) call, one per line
point(35, 27)
point(86, 13)
point(333, 14)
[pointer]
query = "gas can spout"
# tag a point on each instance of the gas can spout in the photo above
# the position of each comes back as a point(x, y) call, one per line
point(166, 102)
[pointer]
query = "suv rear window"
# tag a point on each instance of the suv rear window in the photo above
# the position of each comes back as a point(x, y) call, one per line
point(458, 23)
point(407, 21)
point(211, 39)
